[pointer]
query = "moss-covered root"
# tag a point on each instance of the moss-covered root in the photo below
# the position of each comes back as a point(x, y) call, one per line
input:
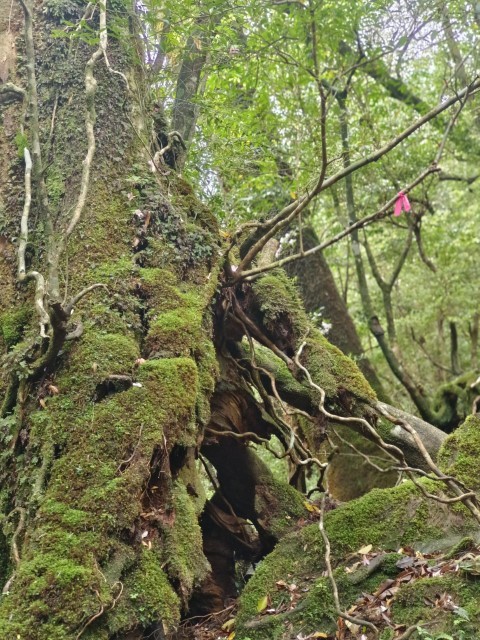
point(279, 311)
point(457, 455)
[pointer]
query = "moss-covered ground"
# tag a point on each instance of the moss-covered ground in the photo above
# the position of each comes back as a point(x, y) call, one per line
point(387, 519)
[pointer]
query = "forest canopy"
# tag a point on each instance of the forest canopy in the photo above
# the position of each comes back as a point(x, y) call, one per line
point(239, 329)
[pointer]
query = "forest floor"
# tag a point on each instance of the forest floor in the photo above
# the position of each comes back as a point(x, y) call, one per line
point(374, 607)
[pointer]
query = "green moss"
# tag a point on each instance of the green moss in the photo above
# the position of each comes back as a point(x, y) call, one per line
point(453, 401)
point(459, 453)
point(148, 598)
point(92, 359)
point(55, 186)
point(191, 478)
point(21, 141)
point(316, 610)
point(385, 518)
point(71, 518)
point(105, 319)
point(333, 370)
point(121, 268)
point(174, 384)
point(174, 332)
point(279, 506)
point(175, 314)
point(208, 373)
point(411, 604)
point(39, 582)
point(183, 552)
point(13, 323)
point(101, 244)
point(279, 302)
point(161, 288)
point(92, 500)
point(285, 380)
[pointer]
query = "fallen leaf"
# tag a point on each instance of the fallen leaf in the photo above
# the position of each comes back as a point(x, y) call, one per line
point(352, 627)
point(311, 507)
point(364, 550)
point(228, 625)
point(262, 604)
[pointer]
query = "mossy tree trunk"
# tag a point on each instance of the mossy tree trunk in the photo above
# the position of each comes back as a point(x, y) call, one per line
point(100, 508)
point(101, 493)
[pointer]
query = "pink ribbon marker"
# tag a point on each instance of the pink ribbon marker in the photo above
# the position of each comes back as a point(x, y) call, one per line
point(401, 204)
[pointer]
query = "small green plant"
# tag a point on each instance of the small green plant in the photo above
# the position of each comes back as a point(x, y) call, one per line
point(459, 634)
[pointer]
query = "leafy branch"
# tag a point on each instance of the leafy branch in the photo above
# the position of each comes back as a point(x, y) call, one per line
point(281, 220)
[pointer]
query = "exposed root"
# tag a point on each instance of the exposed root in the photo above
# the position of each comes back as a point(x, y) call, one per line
point(468, 497)
point(14, 546)
point(92, 619)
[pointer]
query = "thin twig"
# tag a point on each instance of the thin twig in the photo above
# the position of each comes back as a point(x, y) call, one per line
point(76, 299)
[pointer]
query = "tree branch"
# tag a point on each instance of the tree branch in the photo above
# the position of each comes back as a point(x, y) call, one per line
point(385, 211)
point(76, 299)
point(278, 222)
point(294, 209)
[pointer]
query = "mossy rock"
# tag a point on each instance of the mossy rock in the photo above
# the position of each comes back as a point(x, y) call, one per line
point(414, 603)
